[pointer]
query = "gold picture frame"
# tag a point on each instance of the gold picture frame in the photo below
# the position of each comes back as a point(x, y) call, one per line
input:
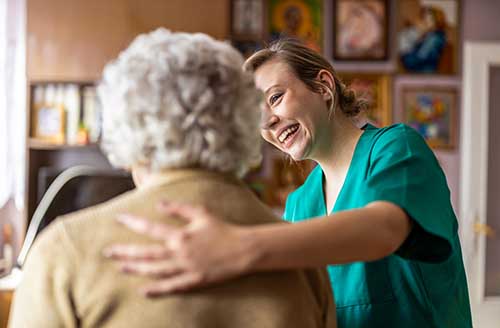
point(297, 19)
point(376, 89)
point(49, 124)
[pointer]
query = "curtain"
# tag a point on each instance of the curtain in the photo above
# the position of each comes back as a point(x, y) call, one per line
point(12, 101)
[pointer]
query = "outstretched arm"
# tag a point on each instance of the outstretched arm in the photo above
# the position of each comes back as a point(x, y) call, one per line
point(364, 234)
point(207, 250)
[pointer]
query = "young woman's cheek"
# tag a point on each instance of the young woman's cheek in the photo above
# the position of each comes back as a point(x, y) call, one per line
point(267, 136)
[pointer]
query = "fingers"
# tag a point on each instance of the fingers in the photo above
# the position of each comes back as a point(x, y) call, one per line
point(159, 269)
point(178, 283)
point(136, 252)
point(154, 230)
point(187, 212)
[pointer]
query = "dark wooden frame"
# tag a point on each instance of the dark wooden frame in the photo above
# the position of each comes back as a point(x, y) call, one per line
point(247, 37)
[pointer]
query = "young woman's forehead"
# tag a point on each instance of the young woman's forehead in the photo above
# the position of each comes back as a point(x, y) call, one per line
point(272, 73)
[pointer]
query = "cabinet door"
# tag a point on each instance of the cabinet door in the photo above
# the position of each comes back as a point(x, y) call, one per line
point(73, 39)
point(480, 190)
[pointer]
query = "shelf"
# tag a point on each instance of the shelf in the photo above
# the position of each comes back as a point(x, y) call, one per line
point(43, 145)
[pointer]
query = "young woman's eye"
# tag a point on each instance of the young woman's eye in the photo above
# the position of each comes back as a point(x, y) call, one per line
point(274, 98)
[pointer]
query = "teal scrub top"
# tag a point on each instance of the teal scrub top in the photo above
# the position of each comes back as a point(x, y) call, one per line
point(423, 283)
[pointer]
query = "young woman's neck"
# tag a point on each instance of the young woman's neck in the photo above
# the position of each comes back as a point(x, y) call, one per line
point(337, 154)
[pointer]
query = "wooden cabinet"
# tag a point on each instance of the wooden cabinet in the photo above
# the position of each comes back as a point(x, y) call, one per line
point(5, 301)
point(74, 39)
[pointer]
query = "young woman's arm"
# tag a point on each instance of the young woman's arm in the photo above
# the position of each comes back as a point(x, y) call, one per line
point(208, 250)
point(364, 234)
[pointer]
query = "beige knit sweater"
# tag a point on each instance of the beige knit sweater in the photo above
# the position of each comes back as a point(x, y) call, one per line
point(68, 283)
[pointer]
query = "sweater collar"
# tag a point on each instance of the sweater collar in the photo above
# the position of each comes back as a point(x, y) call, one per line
point(170, 176)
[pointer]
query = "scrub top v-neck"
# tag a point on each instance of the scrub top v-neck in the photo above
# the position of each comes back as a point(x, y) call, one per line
point(423, 284)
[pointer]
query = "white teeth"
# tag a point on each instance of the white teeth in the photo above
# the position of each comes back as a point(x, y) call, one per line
point(285, 134)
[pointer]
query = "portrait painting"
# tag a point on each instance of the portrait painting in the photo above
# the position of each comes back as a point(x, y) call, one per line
point(432, 112)
point(375, 90)
point(360, 29)
point(297, 19)
point(427, 38)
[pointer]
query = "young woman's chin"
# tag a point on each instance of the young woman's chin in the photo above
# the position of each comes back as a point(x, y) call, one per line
point(298, 151)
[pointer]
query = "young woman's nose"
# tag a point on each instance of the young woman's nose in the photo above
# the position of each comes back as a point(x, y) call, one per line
point(268, 120)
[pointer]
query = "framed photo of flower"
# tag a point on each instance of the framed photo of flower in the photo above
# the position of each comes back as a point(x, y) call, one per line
point(360, 30)
point(376, 90)
point(297, 19)
point(427, 36)
point(432, 110)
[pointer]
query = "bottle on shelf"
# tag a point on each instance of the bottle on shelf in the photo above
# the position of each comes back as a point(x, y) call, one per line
point(72, 106)
point(91, 114)
point(38, 96)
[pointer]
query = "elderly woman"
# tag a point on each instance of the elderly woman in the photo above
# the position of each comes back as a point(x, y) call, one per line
point(183, 117)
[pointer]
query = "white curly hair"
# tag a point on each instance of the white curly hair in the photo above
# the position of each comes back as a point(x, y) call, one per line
point(173, 100)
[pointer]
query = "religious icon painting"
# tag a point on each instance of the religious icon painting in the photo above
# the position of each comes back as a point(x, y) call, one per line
point(297, 19)
point(360, 30)
point(427, 38)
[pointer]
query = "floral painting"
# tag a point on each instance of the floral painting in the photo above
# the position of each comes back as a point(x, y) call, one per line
point(432, 111)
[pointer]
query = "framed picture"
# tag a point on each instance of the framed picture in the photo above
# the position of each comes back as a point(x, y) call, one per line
point(247, 20)
point(375, 89)
point(360, 29)
point(298, 19)
point(285, 176)
point(431, 110)
point(427, 38)
point(49, 124)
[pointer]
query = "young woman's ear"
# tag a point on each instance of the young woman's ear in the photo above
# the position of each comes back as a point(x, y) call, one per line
point(327, 80)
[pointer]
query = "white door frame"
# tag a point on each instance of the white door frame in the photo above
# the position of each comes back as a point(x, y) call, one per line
point(478, 58)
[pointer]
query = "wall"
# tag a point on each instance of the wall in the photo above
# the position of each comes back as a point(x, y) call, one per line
point(481, 20)
point(493, 210)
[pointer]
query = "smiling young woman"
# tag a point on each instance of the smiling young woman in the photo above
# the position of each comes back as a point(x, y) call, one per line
point(385, 226)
